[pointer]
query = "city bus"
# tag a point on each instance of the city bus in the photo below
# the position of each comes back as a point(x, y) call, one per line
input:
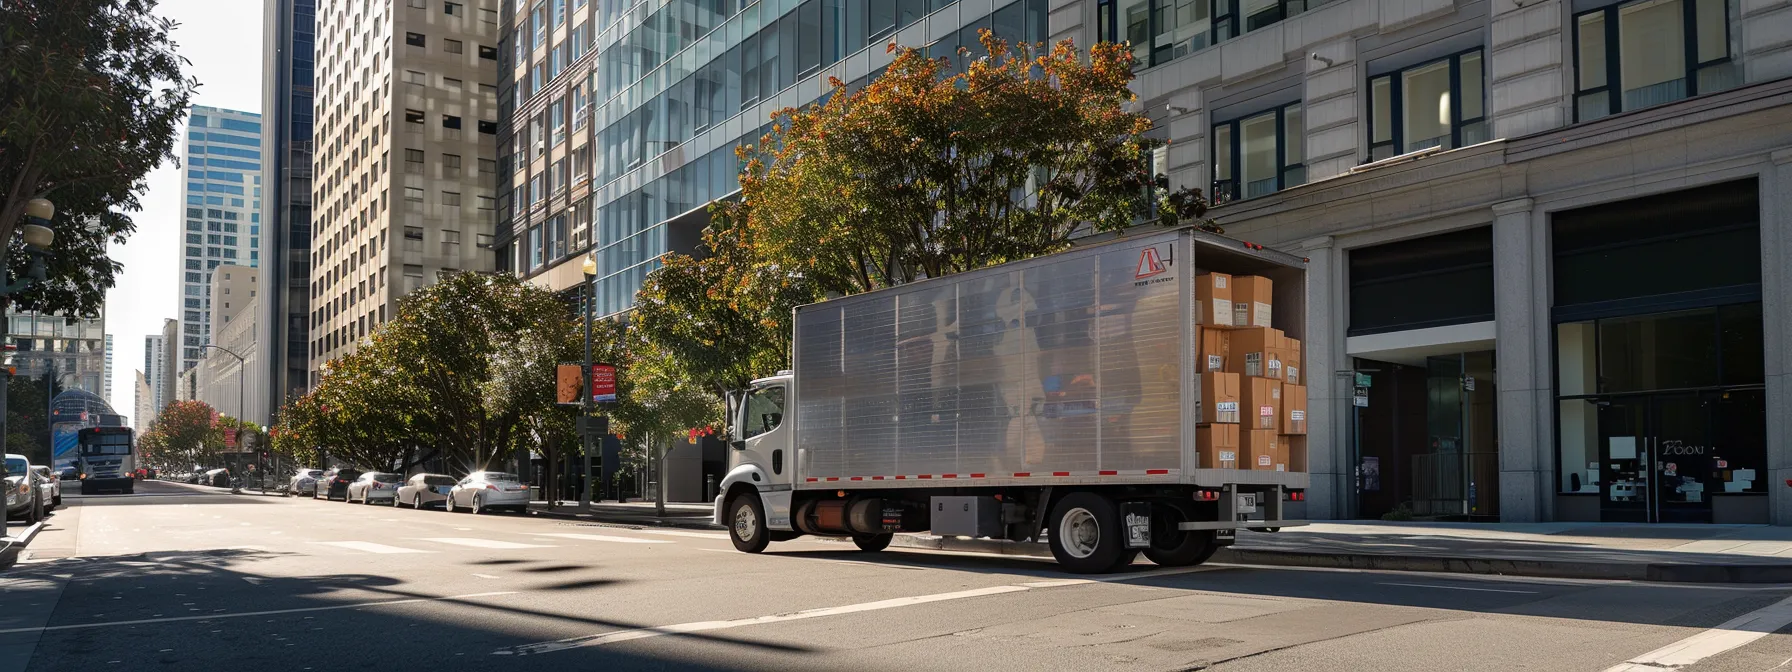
point(107, 460)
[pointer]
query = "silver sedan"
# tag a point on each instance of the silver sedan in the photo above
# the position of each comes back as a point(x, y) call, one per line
point(373, 485)
point(483, 491)
point(424, 490)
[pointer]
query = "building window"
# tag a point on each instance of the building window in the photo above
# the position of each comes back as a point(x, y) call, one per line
point(1639, 54)
point(488, 16)
point(487, 203)
point(1435, 104)
point(453, 46)
point(413, 117)
point(488, 53)
point(413, 194)
point(451, 121)
point(488, 127)
point(451, 84)
point(417, 4)
point(453, 9)
point(414, 39)
point(1164, 30)
point(1259, 154)
point(413, 156)
point(451, 162)
point(415, 78)
point(451, 198)
point(487, 166)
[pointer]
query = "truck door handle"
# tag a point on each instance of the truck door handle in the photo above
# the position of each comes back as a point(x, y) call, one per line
point(778, 461)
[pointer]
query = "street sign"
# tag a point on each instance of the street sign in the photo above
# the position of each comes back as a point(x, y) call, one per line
point(603, 382)
point(1468, 383)
point(1362, 380)
point(1361, 398)
point(229, 438)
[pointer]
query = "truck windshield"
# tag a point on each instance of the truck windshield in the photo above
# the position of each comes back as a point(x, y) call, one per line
point(765, 410)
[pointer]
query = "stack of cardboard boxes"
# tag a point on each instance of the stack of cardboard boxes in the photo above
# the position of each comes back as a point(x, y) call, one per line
point(1253, 398)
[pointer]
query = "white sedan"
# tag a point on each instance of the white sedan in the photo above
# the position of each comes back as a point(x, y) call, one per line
point(373, 485)
point(424, 490)
point(483, 491)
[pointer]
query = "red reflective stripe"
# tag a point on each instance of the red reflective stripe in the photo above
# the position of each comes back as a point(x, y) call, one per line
point(858, 478)
point(925, 476)
point(949, 476)
point(877, 478)
point(1060, 473)
point(1022, 474)
point(1155, 472)
point(901, 477)
point(1109, 472)
point(833, 478)
point(813, 479)
point(976, 475)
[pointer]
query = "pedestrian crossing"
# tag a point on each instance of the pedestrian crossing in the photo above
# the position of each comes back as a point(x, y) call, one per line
point(471, 542)
point(370, 547)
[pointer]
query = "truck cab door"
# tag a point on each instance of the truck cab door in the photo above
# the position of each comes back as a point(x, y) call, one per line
point(761, 438)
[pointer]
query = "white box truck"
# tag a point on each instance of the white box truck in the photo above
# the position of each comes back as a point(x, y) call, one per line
point(1054, 397)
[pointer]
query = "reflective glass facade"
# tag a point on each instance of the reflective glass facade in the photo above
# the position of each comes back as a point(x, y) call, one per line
point(222, 195)
point(621, 118)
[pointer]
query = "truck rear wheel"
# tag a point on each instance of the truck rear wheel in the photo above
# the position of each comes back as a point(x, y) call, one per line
point(1085, 534)
point(746, 524)
point(1171, 547)
point(872, 543)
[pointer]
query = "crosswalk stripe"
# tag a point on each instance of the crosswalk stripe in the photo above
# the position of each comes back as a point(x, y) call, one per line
point(602, 537)
point(481, 543)
point(370, 547)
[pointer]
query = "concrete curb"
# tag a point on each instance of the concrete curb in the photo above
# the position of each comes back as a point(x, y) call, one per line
point(1560, 569)
point(11, 547)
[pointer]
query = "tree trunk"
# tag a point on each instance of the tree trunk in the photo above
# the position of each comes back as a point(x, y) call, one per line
point(659, 497)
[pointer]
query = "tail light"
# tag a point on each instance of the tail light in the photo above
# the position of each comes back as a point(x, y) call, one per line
point(1207, 496)
point(489, 486)
point(1297, 496)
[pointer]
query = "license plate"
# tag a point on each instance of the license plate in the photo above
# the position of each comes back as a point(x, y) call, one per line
point(1226, 534)
point(1247, 502)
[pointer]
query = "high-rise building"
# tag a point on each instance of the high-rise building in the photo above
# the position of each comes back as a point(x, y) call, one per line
point(170, 375)
point(222, 193)
point(106, 376)
point(70, 349)
point(288, 32)
point(224, 381)
point(1546, 240)
point(404, 158)
point(155, 370)
point(144, 408)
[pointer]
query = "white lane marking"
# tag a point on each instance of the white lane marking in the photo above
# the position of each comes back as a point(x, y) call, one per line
point(481, 543)
point(682, 533)
point(485, 576)
point(1736, 632)
point(706, 626)
point(369, 547)
point(272, 612)
point(604, 537)
point(1478, 590)
point(1058, 583)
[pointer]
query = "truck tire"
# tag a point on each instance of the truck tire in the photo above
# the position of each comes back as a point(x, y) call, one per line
point(1171, 547)
point(1085, 535)
point(746, 524)
point(872, 543)
point(130, 488)
point(86, 489)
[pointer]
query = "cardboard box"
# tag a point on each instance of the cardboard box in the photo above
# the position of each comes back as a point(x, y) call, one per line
point(1294, 409)
point(1255, 352)
point(1219, 398)
point(1215, 349)
point(1291, 360)
point(1218, 446)
point(1296, 448)
point(1260, 449)
point(1253, 299)
point(1261, 403)
point(1213, 299)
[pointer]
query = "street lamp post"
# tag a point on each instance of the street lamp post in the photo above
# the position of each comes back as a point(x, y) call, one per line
point(37, 236)
point(588, 297)
point(242, 371)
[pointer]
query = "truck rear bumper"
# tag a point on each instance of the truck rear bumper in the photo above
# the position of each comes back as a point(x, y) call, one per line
point(1233, 525)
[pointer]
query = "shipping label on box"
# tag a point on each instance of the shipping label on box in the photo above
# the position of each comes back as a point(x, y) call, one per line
point(1219, 392)
point(1294, 403)
point(1260, 449)
point(1217, 446)
point(1252, 301)
point(1215, 349)
point(1262, 403)
point(1213, 299)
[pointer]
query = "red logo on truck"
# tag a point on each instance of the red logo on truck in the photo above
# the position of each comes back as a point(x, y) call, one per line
point(1149, 264)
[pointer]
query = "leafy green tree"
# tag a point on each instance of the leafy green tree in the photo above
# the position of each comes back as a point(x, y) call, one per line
point(91, 95)
point(185, 434)
point(27, 416)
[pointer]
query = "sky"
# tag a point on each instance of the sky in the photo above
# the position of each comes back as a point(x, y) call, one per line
point(222, 39)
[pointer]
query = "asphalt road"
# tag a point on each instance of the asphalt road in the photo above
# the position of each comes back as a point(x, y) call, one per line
point(185, 578)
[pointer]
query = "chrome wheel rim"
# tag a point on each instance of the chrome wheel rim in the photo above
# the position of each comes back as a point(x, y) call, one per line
point(746, 525)
point(1079, 533)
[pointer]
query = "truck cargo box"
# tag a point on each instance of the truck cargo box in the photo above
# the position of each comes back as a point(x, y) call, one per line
point(1077, 367)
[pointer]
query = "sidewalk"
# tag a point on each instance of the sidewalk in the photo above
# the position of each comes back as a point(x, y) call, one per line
point(18, 536)
point(1672, 553)
point(1669, 553)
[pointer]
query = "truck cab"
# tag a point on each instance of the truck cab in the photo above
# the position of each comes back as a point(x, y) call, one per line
point(760, 461)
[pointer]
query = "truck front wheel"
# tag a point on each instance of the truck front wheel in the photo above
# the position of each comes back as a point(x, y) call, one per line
point(1085, 534)
point(746, 524)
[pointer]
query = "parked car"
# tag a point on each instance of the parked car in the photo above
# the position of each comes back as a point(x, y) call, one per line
point(69, 474)
point(424, 490)
point(483, 491)
point(304, 482)
point(334, 483)
point(23, 499)
point(373, 485)
point(49, 486)
point(217, 478)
